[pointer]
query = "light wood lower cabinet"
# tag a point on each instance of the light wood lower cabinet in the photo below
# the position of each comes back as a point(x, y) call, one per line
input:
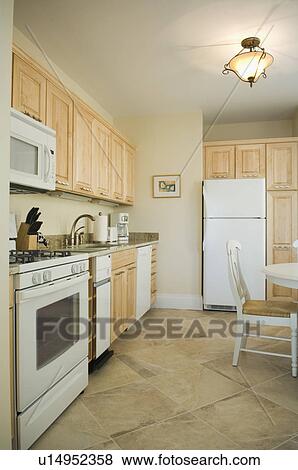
point(281, 232)
point(153, 274)
point(28, 89)
point(123, 285)
point(60, 117)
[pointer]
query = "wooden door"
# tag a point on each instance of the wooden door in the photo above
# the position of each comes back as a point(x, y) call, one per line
point(59, 116)
point(282, 231)
point(28, 90)
point(220, 162)
point(117, 168)
point(282, 166)
point(101, 155)
point(131, 294)
point(119, 303)
point(82, 155)
point(129, 178)
point(250, 161)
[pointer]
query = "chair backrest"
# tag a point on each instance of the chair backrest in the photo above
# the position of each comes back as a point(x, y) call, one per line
point(237, 282)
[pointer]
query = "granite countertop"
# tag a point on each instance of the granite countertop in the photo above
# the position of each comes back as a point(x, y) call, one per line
point(92, 252)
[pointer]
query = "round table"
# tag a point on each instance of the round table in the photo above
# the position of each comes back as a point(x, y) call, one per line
point(285, 274)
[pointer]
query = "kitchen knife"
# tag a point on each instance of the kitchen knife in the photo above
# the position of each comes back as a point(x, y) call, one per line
point(34, 228)
point(29, 215)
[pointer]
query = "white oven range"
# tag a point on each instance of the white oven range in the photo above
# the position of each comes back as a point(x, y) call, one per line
point(51, 338)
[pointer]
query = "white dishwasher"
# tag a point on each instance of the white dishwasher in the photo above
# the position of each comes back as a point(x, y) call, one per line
point(102, 285)
point(143, 280)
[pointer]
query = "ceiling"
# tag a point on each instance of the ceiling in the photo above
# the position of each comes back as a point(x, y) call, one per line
point(138, 57)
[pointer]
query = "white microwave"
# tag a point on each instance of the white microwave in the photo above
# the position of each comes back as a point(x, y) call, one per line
point(32, 153)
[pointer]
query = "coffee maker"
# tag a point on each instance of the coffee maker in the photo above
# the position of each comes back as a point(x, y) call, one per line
point(120, 221)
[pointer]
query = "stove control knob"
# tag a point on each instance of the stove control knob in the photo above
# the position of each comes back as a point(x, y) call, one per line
point(82, 267)
point(36, 278)
point(47, 275)
point(75, 269)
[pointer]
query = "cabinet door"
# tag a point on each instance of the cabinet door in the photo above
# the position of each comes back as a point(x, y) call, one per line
point(131, 293)
point(129, 178)
point(119, 304)
point(101, 155)
point(117, 168)
point(28, 90)
point(282, 166)
point(282, 231)
point(250, 161)
point(60, 117)
point(82, 146)
point(220, 162)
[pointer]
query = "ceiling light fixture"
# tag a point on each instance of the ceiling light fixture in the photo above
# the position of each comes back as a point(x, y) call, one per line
point(249, 65)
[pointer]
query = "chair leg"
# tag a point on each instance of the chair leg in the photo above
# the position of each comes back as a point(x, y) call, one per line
point(294, 344)
point(238, 342)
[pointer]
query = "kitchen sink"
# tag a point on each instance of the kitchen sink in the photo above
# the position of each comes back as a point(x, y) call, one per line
point(90, 247)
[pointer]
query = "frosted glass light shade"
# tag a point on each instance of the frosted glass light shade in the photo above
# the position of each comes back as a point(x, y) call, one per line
point(249, 66)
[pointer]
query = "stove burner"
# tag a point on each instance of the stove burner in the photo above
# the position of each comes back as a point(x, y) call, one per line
point(29, 256)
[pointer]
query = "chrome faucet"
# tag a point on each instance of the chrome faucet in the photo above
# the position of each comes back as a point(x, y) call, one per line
point(72, 235)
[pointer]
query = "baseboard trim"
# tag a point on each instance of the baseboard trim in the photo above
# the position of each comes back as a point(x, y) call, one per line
point(179, 301)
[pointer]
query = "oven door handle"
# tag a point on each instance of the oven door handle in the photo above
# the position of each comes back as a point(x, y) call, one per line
point(22, 296)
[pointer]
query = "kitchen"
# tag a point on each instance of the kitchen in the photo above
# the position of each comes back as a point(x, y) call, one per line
point(113, 239)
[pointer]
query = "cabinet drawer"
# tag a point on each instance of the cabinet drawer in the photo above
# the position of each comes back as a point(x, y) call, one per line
point(153, 283)
point(154, 267)
point(123, 258)
point(11, 291)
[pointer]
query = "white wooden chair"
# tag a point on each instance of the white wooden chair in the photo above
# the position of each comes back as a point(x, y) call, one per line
point(263, 312)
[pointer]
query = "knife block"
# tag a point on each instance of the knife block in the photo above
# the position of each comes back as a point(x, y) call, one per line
point(25, 241)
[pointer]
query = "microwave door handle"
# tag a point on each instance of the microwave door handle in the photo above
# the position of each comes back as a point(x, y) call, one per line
point(25, 295)
point(48, 158)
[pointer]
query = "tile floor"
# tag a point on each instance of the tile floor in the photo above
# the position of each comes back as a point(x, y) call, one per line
point(183, 393)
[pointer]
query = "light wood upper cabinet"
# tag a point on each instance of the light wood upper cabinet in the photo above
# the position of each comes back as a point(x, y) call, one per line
point(282, 231)
point(82, 155)
point(129, 174)
point(220, 162)
point(250, 161)
point(59, 116)
point(117, 167)
point(101, 155)
point(282, 166)
point(28, 89)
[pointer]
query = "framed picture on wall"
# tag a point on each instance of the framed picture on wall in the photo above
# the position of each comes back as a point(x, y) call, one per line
point(166, 186)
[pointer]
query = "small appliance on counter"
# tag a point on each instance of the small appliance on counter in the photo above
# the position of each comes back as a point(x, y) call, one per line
point(120, 221)
point(112, 235)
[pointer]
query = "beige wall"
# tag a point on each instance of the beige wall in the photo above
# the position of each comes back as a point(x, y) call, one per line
point(164, 143)
point(57, 214)
point(6, 13)
point(249, 130)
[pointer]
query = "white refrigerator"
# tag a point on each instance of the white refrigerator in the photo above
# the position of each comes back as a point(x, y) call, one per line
point(233, 210)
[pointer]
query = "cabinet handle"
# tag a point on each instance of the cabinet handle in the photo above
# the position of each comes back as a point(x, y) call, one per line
point(83, 188)
point(63, 183)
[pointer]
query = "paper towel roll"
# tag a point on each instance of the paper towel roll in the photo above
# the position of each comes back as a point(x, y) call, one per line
point(101, 228)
